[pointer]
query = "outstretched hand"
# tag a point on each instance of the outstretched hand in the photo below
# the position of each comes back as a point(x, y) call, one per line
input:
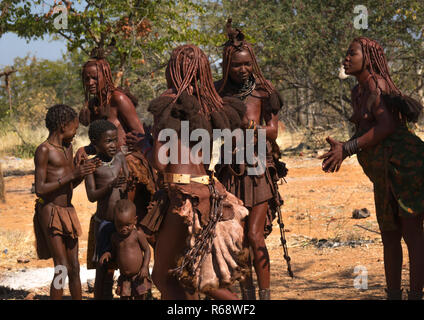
point(333, 159)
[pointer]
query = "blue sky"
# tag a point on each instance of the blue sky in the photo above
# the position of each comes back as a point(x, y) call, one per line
point(11, 46)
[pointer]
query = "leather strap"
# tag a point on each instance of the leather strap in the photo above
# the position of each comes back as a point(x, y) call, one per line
point(185, 178)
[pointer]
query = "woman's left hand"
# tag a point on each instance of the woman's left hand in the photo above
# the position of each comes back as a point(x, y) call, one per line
point(333, 159)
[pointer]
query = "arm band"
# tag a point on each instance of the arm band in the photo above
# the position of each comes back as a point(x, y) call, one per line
point(351, 147)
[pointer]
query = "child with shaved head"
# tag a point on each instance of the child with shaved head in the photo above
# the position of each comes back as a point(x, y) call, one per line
point(106, 185)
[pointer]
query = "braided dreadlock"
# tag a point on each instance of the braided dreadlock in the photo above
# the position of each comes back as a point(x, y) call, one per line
point(237, 43)
point(189, 70)
point(375, 61)
point(105, 85)
point(59, 115)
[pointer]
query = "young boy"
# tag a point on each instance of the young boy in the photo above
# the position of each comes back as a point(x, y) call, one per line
point(56, 223)
point(131, 251)
point(105, 185)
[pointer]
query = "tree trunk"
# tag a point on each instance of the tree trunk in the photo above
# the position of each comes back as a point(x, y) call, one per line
point(301, 114)
point(309, 111)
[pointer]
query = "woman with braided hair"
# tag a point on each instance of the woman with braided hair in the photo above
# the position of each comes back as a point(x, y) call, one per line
point(199, 246)
point(391, 155)
point(105, 101)
point(242, 79)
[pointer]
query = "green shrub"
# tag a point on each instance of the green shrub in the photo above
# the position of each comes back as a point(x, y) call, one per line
point(24, 150)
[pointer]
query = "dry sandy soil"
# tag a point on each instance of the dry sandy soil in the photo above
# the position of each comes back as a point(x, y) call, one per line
point(318, 206)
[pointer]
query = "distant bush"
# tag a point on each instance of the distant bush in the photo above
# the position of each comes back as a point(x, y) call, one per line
point(24, 150)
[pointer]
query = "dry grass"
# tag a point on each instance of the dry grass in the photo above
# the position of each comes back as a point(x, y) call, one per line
point(10, 139)
point(16, 245)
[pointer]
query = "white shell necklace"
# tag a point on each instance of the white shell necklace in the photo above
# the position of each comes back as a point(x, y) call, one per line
point(108, 163)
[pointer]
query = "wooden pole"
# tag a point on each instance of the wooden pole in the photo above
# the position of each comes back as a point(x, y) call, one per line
point(6, 75)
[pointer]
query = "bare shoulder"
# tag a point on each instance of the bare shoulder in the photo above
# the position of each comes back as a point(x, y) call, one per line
point(261, 90)
point(118, 97)
point(382, 85)
point(42, 148)
point(379, 86)
point(140, 234)
point(41, 151)
point(120, 156)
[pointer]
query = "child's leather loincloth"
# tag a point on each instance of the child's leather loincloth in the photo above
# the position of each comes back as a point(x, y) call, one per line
point(132, 286)
point(63, 221)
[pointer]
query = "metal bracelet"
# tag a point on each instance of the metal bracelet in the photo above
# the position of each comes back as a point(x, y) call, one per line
point(351, 147)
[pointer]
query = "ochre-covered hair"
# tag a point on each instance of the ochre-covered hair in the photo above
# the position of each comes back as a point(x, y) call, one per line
point(195, 98)
point(105, 85)
point(189, 70)
point(375, 60)
point(237, 43)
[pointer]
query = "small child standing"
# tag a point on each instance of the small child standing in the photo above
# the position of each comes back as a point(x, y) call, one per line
point(105, 185)
point(56, 223)
point(132, 253)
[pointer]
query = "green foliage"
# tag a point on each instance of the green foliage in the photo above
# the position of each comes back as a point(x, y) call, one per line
point(137, 36)
point(299, 45)
point(39, 84)
point(24, 150)
point(135, 33)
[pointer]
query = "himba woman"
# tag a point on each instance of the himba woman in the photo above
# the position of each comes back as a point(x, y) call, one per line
point(391, 155)
point(105, 101)
point(242, 79)
point(199, 246)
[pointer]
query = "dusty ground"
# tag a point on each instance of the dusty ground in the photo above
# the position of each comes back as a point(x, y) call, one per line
point(318, 206)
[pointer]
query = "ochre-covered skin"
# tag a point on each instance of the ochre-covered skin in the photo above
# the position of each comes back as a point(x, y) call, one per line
point(191, 96)
point(242, 78)
point(56, 224)
point(391, 156)
point(105, 101)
